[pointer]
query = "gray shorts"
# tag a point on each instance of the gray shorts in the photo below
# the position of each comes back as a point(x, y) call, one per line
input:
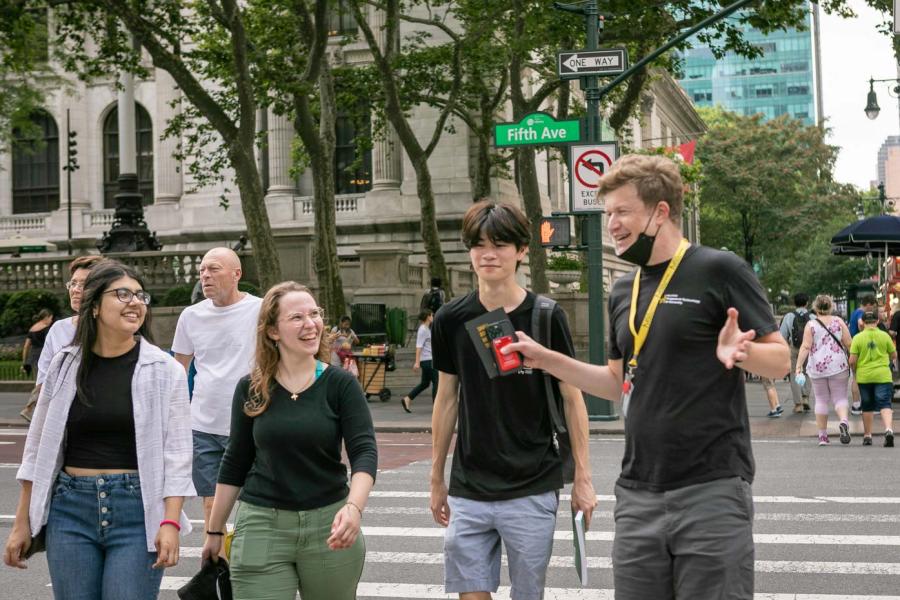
point(209, 449)
point(472, 544)
point(694, 542)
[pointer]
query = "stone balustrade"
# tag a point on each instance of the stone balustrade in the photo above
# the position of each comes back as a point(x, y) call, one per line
point(24, 224)
point(343, 204)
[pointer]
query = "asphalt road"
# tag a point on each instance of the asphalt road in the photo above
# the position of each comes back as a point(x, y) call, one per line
point(827, 526)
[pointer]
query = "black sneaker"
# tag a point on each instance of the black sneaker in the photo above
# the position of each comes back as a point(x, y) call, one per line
point(856, 409)
point(845, 433)
point(888, 439)
point(867, 440)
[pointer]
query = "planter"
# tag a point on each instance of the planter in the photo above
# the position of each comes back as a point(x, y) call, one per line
point(564, 279)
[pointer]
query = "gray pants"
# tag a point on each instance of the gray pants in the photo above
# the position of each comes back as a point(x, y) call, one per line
point(693, 543)
point(800, 395)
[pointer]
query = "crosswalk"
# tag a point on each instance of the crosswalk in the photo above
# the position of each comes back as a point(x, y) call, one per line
point(831, 548)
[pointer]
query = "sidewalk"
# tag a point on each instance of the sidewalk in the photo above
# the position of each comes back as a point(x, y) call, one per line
point(390, 417)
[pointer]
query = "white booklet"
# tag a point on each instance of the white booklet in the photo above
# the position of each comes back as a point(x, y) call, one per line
point(581, 563)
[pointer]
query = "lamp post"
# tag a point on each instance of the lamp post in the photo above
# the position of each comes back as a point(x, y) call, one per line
point(872, 109)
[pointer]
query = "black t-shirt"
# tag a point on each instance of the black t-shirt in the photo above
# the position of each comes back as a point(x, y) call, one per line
point(687, 420)
point(101, 436)
point(289, 457)
point(895, 321)
point(503, 444)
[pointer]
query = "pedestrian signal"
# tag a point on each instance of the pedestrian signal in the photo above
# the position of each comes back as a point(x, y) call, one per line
point(556, 231)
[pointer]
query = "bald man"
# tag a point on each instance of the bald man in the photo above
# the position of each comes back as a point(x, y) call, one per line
point(219, 335)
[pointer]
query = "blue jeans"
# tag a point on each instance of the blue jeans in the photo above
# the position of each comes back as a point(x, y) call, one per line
point(96, 546)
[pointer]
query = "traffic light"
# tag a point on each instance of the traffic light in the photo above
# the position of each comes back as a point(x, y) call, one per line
point(72, 155)
point(556, 231)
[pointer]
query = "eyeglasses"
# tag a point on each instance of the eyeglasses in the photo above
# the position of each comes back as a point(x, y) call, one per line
point(125, 295)
point(315, 314)
point(74, 284)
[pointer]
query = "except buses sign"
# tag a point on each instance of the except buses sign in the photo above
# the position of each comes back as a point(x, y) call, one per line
point(537, 129)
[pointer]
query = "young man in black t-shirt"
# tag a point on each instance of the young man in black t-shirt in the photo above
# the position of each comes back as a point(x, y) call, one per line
point(684, 507)
point(506, 474)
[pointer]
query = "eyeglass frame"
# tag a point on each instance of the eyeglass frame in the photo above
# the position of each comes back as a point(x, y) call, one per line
point(131, 296)
point(78, 285)
point(320, 314)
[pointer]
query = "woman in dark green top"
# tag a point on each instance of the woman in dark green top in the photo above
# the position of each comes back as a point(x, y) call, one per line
point(298, 523)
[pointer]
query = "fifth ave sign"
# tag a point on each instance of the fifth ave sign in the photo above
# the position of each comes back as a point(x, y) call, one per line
point(578, 63)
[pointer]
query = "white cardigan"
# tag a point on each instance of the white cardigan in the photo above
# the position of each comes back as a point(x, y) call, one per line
point(162, 426)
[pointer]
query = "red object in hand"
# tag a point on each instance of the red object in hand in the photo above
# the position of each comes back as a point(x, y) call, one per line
point(506, 362)
point(626, 387)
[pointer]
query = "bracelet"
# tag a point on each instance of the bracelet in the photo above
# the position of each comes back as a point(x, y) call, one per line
point(354, 505)
point(215, 533)
point(174, 524)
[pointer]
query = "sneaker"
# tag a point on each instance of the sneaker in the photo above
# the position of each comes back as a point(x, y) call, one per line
point(780, 409)
point(806, 408)
point(823, 439)
point(888, 439)
point(845, 433)
point(774, 413)
point(856, 409)
point(798, 408)
point(867, 440)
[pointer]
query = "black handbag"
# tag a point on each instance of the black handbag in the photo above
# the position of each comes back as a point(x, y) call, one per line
point(38, 543)
point(213, 582)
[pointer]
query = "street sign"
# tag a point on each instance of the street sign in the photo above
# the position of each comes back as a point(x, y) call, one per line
point(587, 164)
point(572, 64)
point(555, 231)
point(537, 129)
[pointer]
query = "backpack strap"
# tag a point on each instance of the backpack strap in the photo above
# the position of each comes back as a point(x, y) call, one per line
point(541, 330)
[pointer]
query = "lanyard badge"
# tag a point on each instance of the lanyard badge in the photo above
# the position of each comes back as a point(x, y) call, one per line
point(641, 336)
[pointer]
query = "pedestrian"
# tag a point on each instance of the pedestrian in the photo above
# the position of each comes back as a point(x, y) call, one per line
point(434, 298)
point(298, 522)
point(775, 408)
point(423, 361)
point(343, 332)
point(218, 335)
point(107, 460)
point(855, 325)
point(684, 504)
point(34, 341)
point(792, 326)
point(871, 354)
point(62, 331)
point(507, 470)
point(826, 340)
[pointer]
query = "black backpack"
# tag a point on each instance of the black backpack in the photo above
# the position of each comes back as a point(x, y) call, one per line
point(540, 331)
point(797, 327)
point(432, 300)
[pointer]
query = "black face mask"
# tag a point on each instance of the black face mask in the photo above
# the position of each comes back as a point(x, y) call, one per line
point(639, 252)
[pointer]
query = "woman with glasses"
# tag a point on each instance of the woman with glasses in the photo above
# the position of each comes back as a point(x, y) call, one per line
point(62, 331)
point(298, 523)
point(107, 460)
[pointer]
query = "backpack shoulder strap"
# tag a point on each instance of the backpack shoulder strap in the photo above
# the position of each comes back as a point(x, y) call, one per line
point(541, 331)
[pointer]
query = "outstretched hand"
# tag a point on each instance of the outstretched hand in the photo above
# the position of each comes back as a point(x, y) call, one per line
point(533, 353)
point(734, 344)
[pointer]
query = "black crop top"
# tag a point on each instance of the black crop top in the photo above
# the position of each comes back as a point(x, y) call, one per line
point(101, 436)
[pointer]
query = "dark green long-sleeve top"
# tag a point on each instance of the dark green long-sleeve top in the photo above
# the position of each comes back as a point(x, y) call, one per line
point(289, 457)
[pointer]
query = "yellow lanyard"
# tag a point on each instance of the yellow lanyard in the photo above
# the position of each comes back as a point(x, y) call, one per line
point(641, 336)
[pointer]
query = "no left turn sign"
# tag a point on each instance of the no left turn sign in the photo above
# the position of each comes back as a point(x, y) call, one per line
point(588, 164)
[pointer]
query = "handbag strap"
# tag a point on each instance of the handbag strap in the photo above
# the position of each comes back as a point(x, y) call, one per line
point(829, 332)
point(540, 329)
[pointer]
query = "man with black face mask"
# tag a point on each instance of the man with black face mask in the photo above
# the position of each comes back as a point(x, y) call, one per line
point(679, 325)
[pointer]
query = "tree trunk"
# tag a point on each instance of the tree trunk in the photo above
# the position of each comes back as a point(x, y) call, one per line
point(256, 216)
point(482, 187)
point(531, 198)
point(430, 236)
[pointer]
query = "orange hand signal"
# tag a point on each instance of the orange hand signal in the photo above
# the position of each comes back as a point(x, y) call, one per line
point(546, 232)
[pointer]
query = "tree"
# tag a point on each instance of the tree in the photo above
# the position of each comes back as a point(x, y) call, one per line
point(767, 185)
point(182, 42)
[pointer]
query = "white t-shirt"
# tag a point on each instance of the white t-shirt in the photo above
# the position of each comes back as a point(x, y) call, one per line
point(222, 340)
point(423, 341)
point(61, 334)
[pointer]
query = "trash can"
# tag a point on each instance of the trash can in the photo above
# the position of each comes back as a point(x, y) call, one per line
point(396, 326)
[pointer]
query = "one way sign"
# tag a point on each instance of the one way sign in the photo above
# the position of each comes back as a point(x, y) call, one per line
point(578, 63)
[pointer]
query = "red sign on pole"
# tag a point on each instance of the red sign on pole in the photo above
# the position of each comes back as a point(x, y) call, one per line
point(589, 164)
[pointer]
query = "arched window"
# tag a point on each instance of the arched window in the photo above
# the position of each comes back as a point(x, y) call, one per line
point(144, 145)
point(35, 170)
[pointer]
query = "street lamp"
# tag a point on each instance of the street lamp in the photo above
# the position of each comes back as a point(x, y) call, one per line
point(872, 109)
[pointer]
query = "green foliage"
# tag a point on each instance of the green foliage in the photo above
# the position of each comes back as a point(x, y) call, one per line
point(563, 262)
point(22, 308)
point(4, 299)
point(180, 295)
point(246, 286)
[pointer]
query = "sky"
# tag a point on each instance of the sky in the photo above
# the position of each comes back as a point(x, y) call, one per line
point(852, 51)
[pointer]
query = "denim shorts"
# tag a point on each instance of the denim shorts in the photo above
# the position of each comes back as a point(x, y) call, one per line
point(473, 539)
point(96, 542)
point(209, 449)
point(875, 396)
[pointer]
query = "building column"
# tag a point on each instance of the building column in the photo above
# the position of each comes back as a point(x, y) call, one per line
point(386, 152)
point(6, 186)
point(169, 183)
point(280, 138)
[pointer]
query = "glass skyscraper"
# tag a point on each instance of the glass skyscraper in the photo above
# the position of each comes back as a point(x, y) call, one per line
point(782, 81)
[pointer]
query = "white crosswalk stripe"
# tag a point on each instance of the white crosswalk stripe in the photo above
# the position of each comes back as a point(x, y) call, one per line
point(405, 548)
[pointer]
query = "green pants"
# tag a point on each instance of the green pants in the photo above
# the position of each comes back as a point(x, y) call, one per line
point(276, 553)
